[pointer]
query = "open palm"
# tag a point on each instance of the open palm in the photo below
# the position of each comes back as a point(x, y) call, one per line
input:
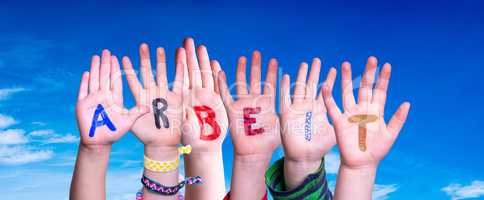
point(306, 132)
point(200, 94)
point(356, 149)
point(150, 131)
point(262, 135)
point(101, 90)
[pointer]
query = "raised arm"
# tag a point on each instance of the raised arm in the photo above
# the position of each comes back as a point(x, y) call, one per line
point(102, 120)
point(205, 125)
point(160, 128)
point(254, 127)
point(362, 134)
point(307, 135)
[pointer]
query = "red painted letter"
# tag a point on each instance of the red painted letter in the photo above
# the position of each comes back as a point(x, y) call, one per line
point(248, 121)
point(206, 115)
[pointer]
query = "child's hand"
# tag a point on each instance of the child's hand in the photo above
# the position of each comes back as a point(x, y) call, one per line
point(253, 122)
point(205, 123)
point(306, 133)
point(161, 126)
point(101, 116)
point(254, 126)
point(363, 137)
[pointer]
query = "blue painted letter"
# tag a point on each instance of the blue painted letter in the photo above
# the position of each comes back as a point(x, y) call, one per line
point(96, 122)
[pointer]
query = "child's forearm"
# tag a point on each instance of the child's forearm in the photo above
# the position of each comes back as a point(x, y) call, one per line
point(209, 166)
point(164, 178)
point(88, 180)
point(248, 177)
point(355, 182)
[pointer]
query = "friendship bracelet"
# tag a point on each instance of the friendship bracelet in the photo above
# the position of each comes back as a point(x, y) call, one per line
point(166, 166)
point(157, 188)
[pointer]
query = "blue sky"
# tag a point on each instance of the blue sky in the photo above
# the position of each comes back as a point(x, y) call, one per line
point(435, 48)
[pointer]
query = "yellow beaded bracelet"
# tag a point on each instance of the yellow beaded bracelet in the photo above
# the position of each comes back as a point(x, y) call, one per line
point(166, 166)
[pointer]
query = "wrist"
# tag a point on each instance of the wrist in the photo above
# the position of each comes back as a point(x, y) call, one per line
point(301, 167)
point(296, 171)
point(367, 171)
point(252, 159)
point(252, 163)
point(202, 156)
point(161, 153)
point(362, 168)
point(95, 149)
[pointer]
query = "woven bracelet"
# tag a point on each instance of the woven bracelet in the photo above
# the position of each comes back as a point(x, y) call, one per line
point(157, 188)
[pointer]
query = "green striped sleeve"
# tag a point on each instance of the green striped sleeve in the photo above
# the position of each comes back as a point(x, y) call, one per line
point(314, 186)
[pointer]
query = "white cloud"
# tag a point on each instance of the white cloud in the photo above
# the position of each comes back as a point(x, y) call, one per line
point(6, 92)
point(6, 121)
point(457, 191)
point(69, 138)
point(331, 162)
point(21, 155)
point(13, 136)
point(44, 132)
point(380, 192)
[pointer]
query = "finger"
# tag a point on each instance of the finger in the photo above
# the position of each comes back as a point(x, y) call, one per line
point(224, 90)
point(398, 119)
point(241, 80)
point(193, 69)
point(145, 62)
point(366, 83)
point(333, 110)
point(347, 86)
point(94, 74)
point(215, 70)
point(312, 84)
point(105, 70)
point(116, 80)
point(133, 82)
point(285, 93)
point(161, 79)
point(300, 85)
point(380, 92)
point(206, 71)
point(180, 75)
point(183, 59)
point(255, 73)
point(84, 86)
point(271, 78)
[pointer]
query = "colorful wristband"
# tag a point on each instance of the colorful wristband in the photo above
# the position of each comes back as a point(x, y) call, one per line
point(166, 166)
point(157, 188)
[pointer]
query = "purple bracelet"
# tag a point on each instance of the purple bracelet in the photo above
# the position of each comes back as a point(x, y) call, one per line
point(157, 188)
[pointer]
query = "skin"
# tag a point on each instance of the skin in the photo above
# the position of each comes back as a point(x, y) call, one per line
point(358, 168)
point(252, 153)
point(159, 144)
point(304, 157)
point(102, 85)
point(206, 157)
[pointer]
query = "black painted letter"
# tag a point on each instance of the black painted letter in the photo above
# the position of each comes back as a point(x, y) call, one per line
point(159, 107)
